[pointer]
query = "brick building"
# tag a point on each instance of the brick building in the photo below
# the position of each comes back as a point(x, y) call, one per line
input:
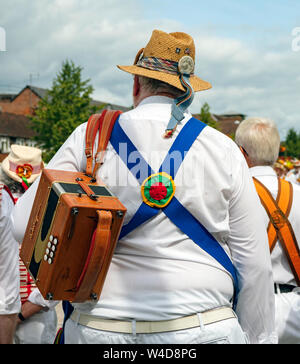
point(227, 123)
point(22, 103)
point(15, 108)
point(26, 101)
point(14, 112)
point(14, 129)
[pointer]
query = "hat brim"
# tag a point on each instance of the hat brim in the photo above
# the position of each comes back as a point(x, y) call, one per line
point(197, 83)
point(14, 176)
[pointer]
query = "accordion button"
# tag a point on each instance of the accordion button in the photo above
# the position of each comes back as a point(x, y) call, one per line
point(55, 241)
point(45, 257)
point(51, 237)
point(51, 255)
point(49, 261)
point(47, 251)
point(53, 248)
point(49, 245)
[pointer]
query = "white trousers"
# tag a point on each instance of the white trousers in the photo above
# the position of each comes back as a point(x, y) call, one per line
point(40, 328)
point(222, 332)
point(287, 317)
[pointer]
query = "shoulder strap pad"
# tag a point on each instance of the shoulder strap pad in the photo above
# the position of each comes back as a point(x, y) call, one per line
point(103, 122)
point(280, 228)
point(90, 135)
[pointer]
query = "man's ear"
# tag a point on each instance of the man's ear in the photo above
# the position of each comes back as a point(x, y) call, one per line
point(136, 85)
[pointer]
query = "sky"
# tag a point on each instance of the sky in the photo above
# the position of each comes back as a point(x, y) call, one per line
point(249, 50)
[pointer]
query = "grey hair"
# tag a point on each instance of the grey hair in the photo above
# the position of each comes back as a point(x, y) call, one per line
point(157, 86)
point(260, 139)
point(14, 186)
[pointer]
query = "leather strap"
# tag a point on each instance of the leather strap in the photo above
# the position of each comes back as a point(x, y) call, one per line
point(284, 200)
point(280, 227)
point(103, 123)
point(86, 189)
point(107, 124)
point(96, 255)
point(91, 131)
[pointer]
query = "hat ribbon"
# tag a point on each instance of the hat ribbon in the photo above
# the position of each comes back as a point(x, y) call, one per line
point(180, 105)
point(25, 183)
point(20, 169)
point(159, 64)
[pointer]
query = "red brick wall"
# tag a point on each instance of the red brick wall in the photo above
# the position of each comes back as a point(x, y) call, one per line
point(23, 104)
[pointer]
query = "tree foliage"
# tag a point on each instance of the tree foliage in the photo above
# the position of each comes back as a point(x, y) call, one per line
point(66, 105)
point(205, 116)
point(292, 144)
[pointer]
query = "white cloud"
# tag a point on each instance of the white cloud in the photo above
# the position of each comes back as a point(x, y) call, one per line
point(248, 77)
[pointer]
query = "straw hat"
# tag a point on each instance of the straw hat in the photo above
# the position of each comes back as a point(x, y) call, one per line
point(165, 57)
point(23, 162)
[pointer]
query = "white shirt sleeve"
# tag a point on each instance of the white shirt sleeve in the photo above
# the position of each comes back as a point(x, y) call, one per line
point(37, 298)
point(248, 242)
point(9, 261)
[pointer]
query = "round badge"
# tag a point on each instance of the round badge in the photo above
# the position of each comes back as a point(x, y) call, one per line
point(186, 65)
point(158, 190)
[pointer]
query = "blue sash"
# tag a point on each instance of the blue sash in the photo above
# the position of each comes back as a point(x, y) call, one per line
point(175, 211)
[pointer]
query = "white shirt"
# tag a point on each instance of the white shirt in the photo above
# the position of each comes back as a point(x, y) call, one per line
point(10, 302)
point(281, 268)
point(157, 272)
point(293, 176)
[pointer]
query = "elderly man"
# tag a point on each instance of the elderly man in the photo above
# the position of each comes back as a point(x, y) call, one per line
point(259, 141)
point(193, 243)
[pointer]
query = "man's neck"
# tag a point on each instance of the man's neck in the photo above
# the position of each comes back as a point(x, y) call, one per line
point(138, 100)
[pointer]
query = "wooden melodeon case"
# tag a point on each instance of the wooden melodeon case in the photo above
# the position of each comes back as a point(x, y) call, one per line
point(71, 235)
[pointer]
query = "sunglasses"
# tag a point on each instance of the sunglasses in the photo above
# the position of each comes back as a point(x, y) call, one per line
point(243, 150)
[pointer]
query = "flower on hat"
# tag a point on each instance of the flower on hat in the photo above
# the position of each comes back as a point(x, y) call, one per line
point(23, 163)
point(24, 170)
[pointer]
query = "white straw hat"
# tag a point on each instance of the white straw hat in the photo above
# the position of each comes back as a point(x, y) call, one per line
point(23, 162)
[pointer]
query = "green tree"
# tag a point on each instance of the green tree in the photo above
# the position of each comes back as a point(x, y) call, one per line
point(205, 116)
point(66, 105)
point(292, 143)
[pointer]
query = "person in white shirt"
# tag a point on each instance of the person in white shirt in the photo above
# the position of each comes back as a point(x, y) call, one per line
point(37, 321)
point(10, 302)
point(162, 287)
point(294, 175)
point(259, 141)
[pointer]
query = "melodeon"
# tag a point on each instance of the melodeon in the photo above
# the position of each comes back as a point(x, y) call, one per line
point(71, 235)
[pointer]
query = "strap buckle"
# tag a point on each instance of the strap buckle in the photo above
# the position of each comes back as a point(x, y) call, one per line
point(278, 219)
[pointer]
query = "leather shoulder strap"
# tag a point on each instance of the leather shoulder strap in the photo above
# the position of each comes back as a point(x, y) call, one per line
point(284, 200)
point(90, 135)
point(103, 123)
point(278, 212)
point(285, 196)
point(106, 127)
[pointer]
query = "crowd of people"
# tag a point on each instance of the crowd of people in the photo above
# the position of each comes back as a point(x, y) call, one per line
point(209, 254)
point(288, 168)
